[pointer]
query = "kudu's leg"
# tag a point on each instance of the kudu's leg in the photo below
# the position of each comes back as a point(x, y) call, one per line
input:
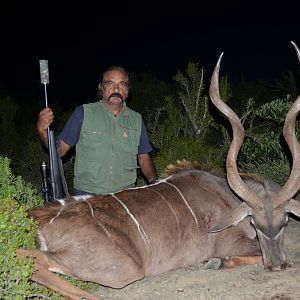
point(232, 262)
point(236, 261)
point(43, 276)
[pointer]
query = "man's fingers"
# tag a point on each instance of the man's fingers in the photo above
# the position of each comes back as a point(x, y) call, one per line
point(46, 117)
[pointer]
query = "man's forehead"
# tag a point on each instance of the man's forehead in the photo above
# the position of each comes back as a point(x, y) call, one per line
point(115, 75)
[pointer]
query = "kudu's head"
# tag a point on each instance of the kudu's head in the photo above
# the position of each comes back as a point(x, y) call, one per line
point(268, 209)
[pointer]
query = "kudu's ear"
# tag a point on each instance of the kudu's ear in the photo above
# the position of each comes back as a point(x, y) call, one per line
point(232, 218)
point(293, 207)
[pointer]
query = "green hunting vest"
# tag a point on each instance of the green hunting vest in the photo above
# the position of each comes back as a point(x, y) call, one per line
point(106, 153)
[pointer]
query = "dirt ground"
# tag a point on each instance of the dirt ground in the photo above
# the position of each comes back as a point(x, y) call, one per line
point(197, 283)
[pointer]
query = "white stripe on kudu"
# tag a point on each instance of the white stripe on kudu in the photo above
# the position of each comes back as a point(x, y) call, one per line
point(91, 208)
point(140, 229)
point(181, 195)
point(97, 221)
point(51, 221)
point(168, 204)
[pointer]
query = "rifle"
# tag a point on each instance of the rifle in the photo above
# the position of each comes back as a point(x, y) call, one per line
point(54, 186)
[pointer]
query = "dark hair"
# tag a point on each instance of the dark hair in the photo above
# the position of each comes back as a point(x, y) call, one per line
point(112, 68)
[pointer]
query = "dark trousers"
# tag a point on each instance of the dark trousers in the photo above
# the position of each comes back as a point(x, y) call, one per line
point(82, 193)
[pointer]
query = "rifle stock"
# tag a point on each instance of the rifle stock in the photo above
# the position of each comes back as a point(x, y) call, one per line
point(57, 179)
point(54, 183)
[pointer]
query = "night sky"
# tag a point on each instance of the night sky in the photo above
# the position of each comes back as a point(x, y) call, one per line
point(81, 40)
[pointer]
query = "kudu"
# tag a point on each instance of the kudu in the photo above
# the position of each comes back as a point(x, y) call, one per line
point(119, 238)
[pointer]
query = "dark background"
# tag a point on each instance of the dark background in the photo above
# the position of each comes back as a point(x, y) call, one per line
point(81, 39)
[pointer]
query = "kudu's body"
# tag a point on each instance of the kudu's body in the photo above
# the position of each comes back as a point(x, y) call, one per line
point(120, 238)
point(117, 239)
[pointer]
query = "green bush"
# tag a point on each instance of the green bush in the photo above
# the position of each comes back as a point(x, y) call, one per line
point(192, 150)
point(14, 233)
point(266, 153)
point(15, 187)
point(18, 231)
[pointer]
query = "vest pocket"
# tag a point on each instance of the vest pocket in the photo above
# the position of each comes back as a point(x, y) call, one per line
point(128, 139)
point(130, 147)
point(88, 175)
point(129, 174)
point(92, 141)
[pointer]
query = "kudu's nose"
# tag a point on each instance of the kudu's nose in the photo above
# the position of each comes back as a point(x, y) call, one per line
point(283, 266)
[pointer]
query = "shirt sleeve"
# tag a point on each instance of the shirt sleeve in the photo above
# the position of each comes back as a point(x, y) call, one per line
point(71, 132)
point(144, 146)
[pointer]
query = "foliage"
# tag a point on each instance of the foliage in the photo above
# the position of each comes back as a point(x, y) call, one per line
point(266, 153)
point(165, 123)
point(225, 89)
point(218, 119)
point(275, 111)
point(15, 187)
point(195, 102)
point(29, 163)
point(18, 231)
point(184, 148)
point(184, 126)
point(277, 171)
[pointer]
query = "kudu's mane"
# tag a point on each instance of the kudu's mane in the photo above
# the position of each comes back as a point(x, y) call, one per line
point(252, 177)
point(184, 165)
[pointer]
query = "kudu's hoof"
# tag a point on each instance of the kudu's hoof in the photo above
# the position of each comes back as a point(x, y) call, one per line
point(214, 264)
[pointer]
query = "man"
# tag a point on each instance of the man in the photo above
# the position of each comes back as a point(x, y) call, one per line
point(109, 136)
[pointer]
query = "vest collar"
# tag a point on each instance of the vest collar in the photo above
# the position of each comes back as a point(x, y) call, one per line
point(123, 113)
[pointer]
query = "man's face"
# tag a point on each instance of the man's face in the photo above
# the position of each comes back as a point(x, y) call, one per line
point(115, 87)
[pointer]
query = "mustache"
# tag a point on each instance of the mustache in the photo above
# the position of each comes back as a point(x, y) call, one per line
point(116, 95)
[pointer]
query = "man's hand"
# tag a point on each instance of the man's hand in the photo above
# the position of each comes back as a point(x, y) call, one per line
point(147, 167)
point(46, 117)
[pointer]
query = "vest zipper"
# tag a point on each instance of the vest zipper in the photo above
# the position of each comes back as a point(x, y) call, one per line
point(113, 153)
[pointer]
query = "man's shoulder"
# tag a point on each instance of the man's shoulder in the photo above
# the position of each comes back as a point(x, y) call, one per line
point(92, 107)
point(90, 104)
point(133, 112)
point(77, 112)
